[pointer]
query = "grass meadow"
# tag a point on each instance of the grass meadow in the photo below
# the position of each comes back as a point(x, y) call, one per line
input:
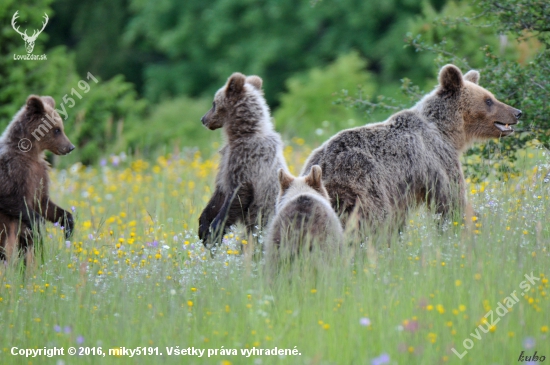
point(135, 275)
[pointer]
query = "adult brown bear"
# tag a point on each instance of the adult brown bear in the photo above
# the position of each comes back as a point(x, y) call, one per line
point(380, 171)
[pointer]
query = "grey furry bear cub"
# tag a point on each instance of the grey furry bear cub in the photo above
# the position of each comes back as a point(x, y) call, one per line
point(304, 219)
point(246, 183)
point(377, 172)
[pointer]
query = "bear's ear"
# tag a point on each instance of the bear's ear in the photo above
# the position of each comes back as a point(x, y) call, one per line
point(472, 76)
point(314, 179)
point(49, 101)
point(255, 81)
point(35, 105)
point(235, 84)
point(285, 180)
point(450, 78)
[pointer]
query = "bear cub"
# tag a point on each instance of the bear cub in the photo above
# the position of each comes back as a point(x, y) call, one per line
point(246, 183)
point(24, 181)
point(304, 218)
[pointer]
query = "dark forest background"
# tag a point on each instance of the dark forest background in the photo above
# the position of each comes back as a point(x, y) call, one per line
point(326, 65)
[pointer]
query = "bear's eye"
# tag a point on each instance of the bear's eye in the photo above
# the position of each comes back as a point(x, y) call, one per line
point(489, 102)
point(213, 105)
point(57, 131)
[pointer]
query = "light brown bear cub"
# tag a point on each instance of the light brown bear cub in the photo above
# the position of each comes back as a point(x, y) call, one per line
point(381, 170)
point(304, 219)
point(246, 183)
point(24, 181)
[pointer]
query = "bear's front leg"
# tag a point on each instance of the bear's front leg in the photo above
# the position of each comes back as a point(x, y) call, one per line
point(449, 196)
point(209, 214)
point(234, 208)
point(55, 214)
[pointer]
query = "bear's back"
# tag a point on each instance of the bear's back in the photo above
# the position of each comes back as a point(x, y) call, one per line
point(256, 159)
point(379, 162)
point(23, 174)
point(307, 217)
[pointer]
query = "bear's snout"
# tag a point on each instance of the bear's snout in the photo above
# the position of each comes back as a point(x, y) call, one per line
point(69, 149)
point(517, 113)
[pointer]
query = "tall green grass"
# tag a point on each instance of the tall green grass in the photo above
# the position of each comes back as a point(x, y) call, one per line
point(135, 275)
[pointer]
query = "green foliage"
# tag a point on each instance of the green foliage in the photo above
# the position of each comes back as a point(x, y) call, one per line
point(92, 120)
point(459, 36)
point(174, 49)
point(171, 124)
point(442, 35)
point(17, 77)
point(93, 30)
point(101, 118)
point(308, 110)
point(199, 44)
point(525, 18)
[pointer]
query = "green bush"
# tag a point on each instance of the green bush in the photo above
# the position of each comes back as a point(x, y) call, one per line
point(190, 47)
point(97, 118)
point(19, 78)
point(308, 110)
point(102, 117)
point(173, 123)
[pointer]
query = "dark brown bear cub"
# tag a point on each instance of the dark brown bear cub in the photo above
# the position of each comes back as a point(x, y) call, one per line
point(24, 181)
point(246, 183)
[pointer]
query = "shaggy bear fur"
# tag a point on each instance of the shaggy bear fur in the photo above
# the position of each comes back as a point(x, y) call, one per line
point(246, 183)
point(304, 217)
point(379, 171)
point(24, 181)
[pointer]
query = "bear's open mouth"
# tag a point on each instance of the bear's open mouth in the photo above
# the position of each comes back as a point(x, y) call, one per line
point(504, 127)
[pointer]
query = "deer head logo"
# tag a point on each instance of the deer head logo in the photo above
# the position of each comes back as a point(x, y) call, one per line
point(29, 40)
